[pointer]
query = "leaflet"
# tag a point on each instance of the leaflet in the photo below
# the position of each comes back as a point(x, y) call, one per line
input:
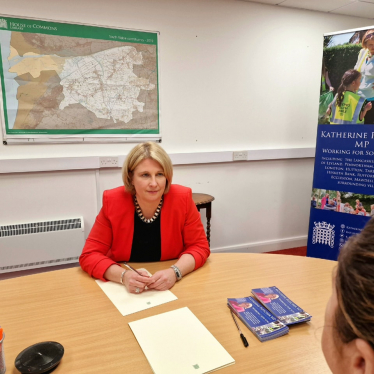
point(284, 309)
point(264, 325)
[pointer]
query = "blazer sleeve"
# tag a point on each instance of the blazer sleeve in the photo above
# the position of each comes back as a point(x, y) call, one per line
point(194, 237)
point(94, 258)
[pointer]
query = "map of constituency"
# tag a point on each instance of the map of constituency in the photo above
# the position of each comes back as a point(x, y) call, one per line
point(58, 82)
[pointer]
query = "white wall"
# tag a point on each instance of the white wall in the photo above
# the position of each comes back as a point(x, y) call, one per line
point(233, 75)
point(257, 204)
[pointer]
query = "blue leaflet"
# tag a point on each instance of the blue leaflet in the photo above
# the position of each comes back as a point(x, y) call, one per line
point(259, 320)
point(280, 305)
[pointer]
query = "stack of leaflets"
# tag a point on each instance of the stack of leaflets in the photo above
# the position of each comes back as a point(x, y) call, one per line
point(259, 320)
point(280, 305)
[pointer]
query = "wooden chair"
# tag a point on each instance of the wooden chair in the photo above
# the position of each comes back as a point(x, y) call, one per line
point(204, 201)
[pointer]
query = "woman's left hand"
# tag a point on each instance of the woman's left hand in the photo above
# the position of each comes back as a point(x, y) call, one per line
point(162, 280)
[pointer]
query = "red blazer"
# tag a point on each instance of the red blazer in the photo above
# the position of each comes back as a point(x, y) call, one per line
point(110, 239)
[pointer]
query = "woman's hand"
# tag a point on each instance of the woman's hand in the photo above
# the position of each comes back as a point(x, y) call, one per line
point(136, 283)
point(331, 88)
point(162, 280)
point(368, 106)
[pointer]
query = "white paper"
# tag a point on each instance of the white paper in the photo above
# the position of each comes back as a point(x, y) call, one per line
point(128, 303)
point(177, 342)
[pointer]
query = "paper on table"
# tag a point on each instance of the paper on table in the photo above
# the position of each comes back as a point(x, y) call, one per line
point(128, 303)
point(177, 342)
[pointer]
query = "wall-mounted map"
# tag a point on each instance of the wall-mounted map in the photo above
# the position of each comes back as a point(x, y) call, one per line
point(77, 80)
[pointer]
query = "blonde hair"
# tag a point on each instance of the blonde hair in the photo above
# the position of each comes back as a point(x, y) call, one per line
point(138, 154)
point(367, 36)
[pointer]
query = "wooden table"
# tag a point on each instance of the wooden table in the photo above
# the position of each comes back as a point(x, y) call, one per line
point(68, 306)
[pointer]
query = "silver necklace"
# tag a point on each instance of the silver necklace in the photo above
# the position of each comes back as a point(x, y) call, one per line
point(140, 213)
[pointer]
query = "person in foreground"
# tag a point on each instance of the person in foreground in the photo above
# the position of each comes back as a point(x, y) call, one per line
point(148, 219)
point(348, 334)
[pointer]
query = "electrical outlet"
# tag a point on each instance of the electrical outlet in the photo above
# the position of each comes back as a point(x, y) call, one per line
point(108, 162)
point(240, 155)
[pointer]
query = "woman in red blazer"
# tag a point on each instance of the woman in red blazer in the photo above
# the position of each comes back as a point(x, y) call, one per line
point(147, 220)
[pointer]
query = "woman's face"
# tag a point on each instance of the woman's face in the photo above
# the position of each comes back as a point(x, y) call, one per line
point(370, 45)
point(149, 181)
point(335, 357)
point(272, 296)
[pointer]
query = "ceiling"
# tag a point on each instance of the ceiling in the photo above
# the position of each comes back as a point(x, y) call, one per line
point(356, 8)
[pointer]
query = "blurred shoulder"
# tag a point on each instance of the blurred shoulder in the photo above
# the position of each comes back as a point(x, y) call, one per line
point(177, 189)
point(117, 194)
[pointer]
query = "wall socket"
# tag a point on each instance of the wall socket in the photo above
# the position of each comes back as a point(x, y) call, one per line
point(240, 155)
point(108, 162)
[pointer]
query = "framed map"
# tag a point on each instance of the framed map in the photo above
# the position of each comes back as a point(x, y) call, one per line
point(75, 82)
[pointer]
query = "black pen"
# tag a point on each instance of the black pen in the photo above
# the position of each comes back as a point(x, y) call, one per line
point(241, 334)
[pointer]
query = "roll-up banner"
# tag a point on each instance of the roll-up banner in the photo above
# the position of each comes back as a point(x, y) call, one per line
point(342, 197)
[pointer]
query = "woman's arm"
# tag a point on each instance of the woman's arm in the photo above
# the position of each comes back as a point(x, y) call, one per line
point(194, 237)
point(130, 279)
point(195, 252)
point(328, 111)
point(186, 264)
point(165, 279)
point(360, 58)
point(94, 259)
point(328, 81)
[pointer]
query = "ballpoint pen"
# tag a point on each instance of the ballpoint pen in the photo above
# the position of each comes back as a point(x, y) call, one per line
point(241, 334)
point(131, 268)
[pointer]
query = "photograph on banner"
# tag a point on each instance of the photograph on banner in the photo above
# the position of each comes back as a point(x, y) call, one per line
point(343, 202)
point(347, 79)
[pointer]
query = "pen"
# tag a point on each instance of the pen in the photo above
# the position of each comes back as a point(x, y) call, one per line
point(241, 334)
point(131, 268)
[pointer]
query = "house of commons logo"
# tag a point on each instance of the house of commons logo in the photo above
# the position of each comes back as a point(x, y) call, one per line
point(3, 23)
point(323, 233)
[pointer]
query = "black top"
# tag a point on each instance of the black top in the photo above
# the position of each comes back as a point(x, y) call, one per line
point(146, 242)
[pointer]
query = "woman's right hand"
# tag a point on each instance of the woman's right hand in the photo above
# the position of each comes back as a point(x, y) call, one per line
point(368, 106)
point(134, 281)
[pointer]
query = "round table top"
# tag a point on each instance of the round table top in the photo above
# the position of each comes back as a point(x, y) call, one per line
point(67, 306)
point(202, 198)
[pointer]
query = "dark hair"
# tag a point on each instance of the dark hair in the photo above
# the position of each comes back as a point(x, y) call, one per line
point(348, 77)
point(354, 283)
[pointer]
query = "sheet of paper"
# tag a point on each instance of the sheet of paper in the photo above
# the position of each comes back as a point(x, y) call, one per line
point(177, 342)
point(128, 303)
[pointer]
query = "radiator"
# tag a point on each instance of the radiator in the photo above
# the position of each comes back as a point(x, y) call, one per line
point(39, 244)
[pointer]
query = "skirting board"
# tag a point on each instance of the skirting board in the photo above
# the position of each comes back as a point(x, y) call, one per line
point(268, 246)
